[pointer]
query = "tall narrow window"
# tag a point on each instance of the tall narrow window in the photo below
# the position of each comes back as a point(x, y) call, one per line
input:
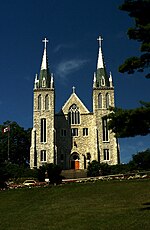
point(100, 100)
point(74, 115)
point(106, 155)
point(107, 100)
point(43, 130)
point(43, 156)
point(47, 102)
point(105, 129)
point(39, 102)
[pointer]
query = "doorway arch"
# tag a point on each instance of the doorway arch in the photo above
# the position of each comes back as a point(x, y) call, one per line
point(75, 161)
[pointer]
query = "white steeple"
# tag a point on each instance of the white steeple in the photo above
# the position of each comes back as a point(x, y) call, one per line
point(100, 63)
point(44, 60)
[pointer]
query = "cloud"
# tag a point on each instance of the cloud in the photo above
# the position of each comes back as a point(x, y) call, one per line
point(62, 46)
point(67, 67)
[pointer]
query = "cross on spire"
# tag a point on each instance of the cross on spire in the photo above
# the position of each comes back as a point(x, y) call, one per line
point(100, 39)
point(45, 41)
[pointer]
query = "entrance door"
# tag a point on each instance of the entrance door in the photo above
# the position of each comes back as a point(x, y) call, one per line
point(75, 163)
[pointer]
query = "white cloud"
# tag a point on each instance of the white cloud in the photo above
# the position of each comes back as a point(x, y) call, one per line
point(67, 67)
point(62, 46)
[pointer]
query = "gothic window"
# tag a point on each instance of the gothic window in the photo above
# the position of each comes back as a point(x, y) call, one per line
point(102, 81)
point(106, 155)
point(47, 102)
point(39, 102)
point(74, 115)
point(43, 130)
point(105, 129)
point(74, 132)
point(100, 100)
point(43, 155)
point(85, 131)
point(107, 100)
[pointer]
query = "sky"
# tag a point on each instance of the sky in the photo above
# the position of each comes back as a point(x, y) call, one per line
point(72, 28)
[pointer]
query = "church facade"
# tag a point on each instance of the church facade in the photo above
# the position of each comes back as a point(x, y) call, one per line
point(75, 136)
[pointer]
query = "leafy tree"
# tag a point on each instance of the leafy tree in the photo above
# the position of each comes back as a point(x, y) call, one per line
point(139, 11)
point(140, 161)
point(129, 123)
point(96, 169)
point(132, 122)
point(19, 143)
point(54, 172)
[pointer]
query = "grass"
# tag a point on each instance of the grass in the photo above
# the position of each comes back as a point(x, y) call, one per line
point(92, 206)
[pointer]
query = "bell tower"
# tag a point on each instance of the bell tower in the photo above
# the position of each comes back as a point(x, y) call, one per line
point(103, 98)
point(43, 133)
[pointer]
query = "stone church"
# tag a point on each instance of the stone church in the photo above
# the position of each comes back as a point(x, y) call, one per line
point(75, 136)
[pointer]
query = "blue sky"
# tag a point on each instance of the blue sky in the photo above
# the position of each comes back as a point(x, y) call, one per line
point(72, 28)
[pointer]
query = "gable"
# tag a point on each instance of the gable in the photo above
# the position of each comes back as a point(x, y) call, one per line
point(74, 99)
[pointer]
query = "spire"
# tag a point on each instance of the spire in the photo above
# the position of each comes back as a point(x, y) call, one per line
point(45, 76)
point(101, 78)
point(100, 63)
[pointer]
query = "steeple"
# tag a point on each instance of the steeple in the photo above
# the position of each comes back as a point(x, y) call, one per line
point(100, 76)
point(45, 77)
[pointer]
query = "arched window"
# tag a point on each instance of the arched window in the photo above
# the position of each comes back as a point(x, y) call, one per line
point(74, 115)
point(100, 100)
point(39, 102)
point(103, 81)
point(107, 100)
point(47, 102)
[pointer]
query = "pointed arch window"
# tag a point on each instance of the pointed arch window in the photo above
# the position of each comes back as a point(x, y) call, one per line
point(103, 81)
point(43, 130)
point(74, 115)
point(105, 129)
point(100, 97)
point(107, 100)
point(39, 102)
point(47, 102)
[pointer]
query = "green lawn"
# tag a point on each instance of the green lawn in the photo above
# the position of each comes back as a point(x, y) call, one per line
point(92, 206)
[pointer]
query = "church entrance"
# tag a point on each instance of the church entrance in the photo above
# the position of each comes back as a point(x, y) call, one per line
point(75, 161)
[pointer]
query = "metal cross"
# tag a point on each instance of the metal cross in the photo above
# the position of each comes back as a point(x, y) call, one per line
point(45, 41)
point(100, 39)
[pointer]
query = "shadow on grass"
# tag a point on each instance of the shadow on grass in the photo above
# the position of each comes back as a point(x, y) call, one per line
point(145, 208)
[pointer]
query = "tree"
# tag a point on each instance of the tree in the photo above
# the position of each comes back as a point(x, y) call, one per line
point(19, 143)
point(96, 169)
point(129, 123)
point(54, 172)
point(139, 11)
point(140, 161)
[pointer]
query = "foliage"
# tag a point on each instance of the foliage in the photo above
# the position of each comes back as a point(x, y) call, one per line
point(139, 11)
point(54, 172)
point(140, 161)
point(129, 123)
point(96, 169)
point(19, 144)
point(41, 173)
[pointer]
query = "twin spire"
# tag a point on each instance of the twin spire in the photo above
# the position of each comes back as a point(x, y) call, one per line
point(101, 78)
